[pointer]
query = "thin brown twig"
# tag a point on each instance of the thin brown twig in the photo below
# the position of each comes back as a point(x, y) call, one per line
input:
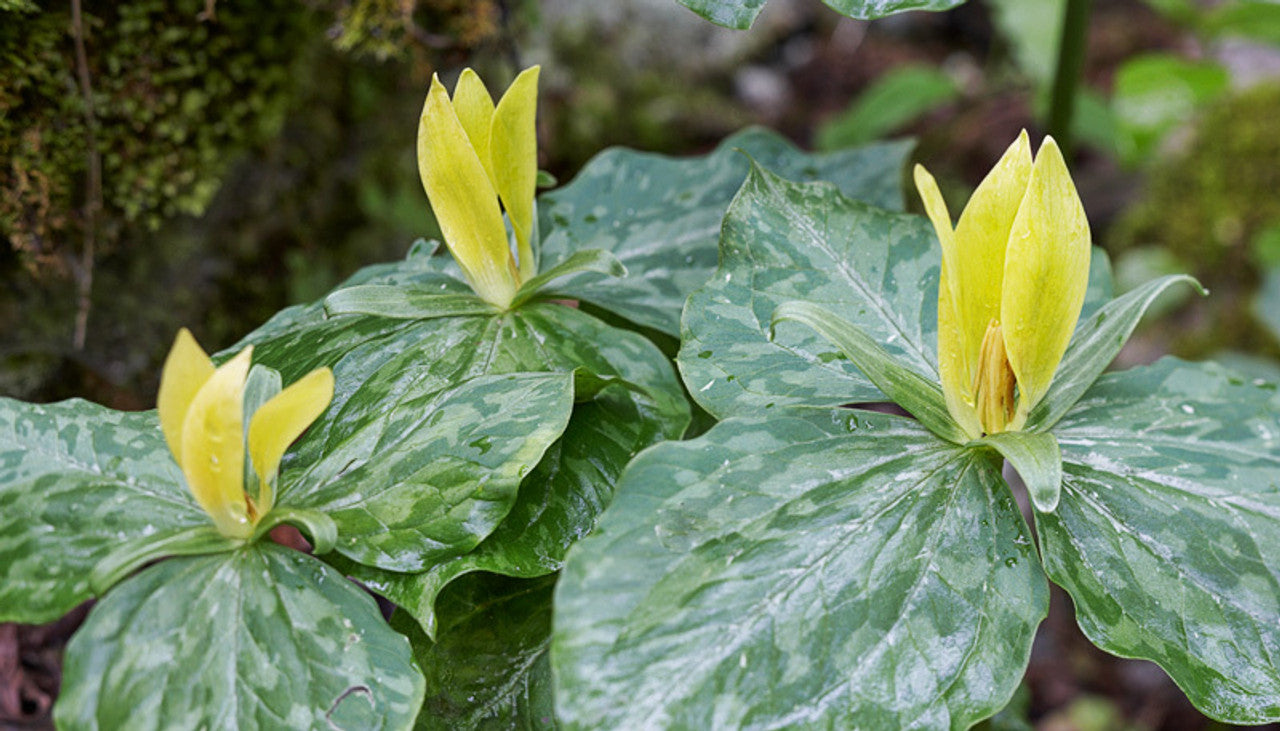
point(93, 185)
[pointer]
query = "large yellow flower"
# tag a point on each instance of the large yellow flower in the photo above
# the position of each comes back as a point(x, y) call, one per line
point(472, 154)
point(202, 415)
point(1014, 274)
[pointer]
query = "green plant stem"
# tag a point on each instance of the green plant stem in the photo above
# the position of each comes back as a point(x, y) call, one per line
point(1066, 77)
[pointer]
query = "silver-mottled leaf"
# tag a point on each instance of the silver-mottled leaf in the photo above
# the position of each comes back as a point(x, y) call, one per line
point(76, 481)
point(836, 569)
point(260, 638)
point(741, 14)
point(1167, 535)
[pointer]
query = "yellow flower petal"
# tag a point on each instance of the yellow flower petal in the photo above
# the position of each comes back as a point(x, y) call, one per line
point(280, 421)
point(1046, 273)
point(953, 370)
point(464, 200)
point(213, 447)
point(513, 147)
point(981, 237)
point(186, 369)
point(474, 106)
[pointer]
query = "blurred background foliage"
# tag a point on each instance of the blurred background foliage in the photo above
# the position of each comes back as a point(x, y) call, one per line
point(254, 154)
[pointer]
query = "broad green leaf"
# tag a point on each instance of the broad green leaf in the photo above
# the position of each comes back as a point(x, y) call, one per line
point(78, 480)
point(740, 14)
point(260, 638)
point(785, 242)
point(1167, 536)
point(436, 471)
point(891, 101)
point(661, 216)
point(921, 397)
point(836, 569)
point(557, 505)
point(1036, 457)
point(489, 669)
point(1267, 304)
point(1097, 340)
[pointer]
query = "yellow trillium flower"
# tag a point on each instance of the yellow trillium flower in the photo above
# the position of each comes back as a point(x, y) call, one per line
point(202, 416)
point(1014, 273)
point(471, 154)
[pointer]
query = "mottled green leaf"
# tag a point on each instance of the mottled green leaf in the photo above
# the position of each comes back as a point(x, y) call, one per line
point(740, 14)
point(259, 638)
point(78, 480)
point(548, 283)
point(786, 242)
point(661, 216)
point(836, 569)
point(1167, 536)
point(1097, 340)
point(435, 471)
point(1036, 457)
point(558, 504)
point(489, 669)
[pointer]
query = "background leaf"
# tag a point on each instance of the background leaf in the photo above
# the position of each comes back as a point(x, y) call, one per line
point(1267, 304)
point(741, 14)
point(891, 101)
point(436, 471)
point(661, 216)
point(259, 638)
point(1167, 535)
point(833, 569)
point(76, 481)
point(490, 668)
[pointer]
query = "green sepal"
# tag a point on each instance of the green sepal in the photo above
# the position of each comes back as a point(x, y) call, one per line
point(1094, 345)
point(1038, 460)
point(319, 529)
point(128, 558)
point(591, 260)
point(920, 396)
point(404, 302)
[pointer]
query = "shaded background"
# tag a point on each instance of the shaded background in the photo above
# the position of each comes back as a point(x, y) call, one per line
point(252, 155)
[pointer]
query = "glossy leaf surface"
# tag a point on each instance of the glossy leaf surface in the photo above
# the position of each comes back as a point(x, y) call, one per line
point(836, 569)
point(259, 638)
point(1167, 535)
point(436, 471)
point(661, 216)
point(78, 480)
point(490, 668)
point(557, 505)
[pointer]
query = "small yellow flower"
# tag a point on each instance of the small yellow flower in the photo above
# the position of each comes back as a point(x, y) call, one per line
point(202, 416)
point(472, 154)
point(1014, 274)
